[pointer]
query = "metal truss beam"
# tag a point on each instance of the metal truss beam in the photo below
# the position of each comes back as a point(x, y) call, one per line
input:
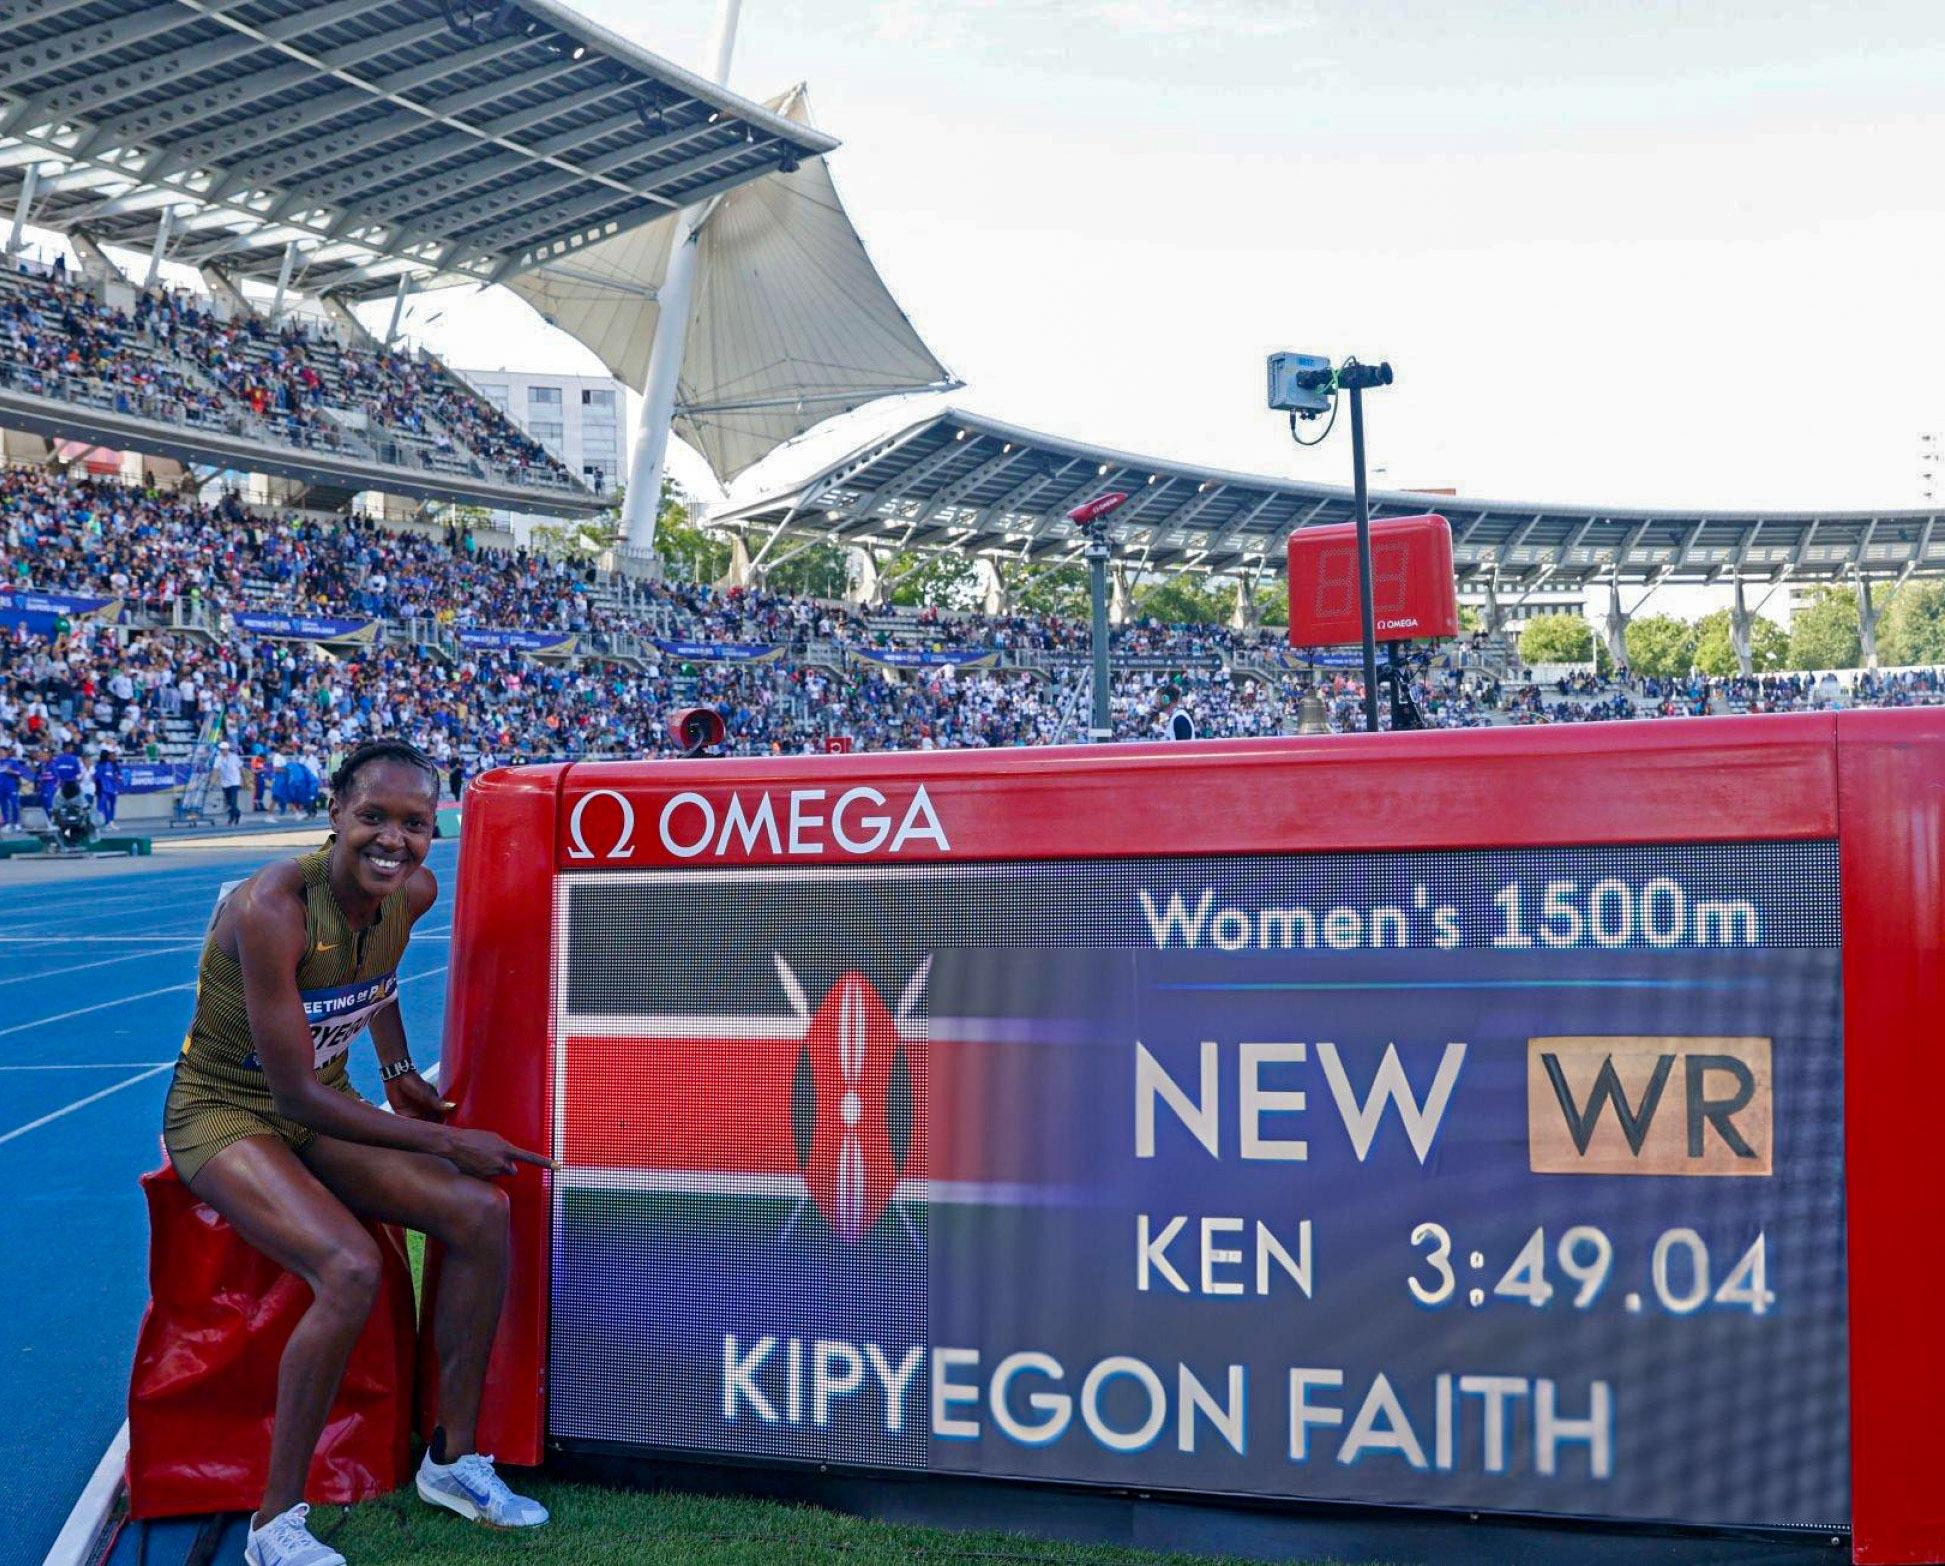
point(277, 124)
point(965, 485)
point(1802, 551)
point(463, 218)
point(89, 46)
point(1017, 496)
point(1920, 549)
point(1689, 540)
point(23, 14)
point(1235, 527)
point(917, 473)
point(175, 116)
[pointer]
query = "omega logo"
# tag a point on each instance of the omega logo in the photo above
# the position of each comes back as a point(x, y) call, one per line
point(624, 840)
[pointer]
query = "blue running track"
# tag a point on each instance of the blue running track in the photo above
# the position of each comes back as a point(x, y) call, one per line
point(97, 973)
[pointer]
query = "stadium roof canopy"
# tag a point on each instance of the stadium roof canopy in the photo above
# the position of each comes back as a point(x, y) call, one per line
point(969, 484)
point(452, 141)
point(790, 323)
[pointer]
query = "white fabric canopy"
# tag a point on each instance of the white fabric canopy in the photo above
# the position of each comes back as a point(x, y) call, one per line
point(791, 323)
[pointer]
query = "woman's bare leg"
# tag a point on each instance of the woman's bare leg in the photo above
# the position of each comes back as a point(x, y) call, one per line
point(469, 1218)
point(270, 1198)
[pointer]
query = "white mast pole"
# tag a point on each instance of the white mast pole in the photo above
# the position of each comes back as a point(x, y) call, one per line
point(644, 498)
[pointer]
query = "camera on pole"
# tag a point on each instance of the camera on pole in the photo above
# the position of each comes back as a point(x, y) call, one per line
point(1091, 520)
point(1305, 386)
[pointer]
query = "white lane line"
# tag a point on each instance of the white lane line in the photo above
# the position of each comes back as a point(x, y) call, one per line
point(175, 937)
point(101, 962)
point(83, 1103)
point(83, 1528)
point(94, 1065)
point(430, 973)
point(82, 1011)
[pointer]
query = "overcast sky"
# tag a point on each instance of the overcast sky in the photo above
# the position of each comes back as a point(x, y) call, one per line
point(1638, 251)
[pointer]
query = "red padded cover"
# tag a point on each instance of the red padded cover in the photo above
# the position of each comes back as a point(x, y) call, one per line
point(204, 1387)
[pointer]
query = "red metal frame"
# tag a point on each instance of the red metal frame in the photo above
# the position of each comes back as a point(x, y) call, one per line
point(495, 1065)
point(1880, 777)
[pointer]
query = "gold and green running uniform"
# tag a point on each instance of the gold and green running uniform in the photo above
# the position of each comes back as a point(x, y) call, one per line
point(219, 1094)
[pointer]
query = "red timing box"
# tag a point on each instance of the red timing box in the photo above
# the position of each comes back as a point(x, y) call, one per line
point(1414, 595)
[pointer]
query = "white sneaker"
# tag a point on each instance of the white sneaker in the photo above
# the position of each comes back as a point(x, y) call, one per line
point(469, 1486)
point(286, 1541)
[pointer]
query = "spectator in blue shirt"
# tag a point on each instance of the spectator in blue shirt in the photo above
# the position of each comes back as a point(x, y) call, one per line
point(108, 784)
point(13, 772)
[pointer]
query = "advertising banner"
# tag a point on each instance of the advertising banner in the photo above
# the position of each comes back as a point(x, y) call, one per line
point(152, 777)
point(545, 644)
point(719, 652)
point(1482, 1179)
point(1152, 663)
point(39, 612)
point(922, 658)
point(306, 628)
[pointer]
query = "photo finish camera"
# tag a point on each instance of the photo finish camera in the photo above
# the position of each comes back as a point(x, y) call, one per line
point(1300, 383)
point(696, 729)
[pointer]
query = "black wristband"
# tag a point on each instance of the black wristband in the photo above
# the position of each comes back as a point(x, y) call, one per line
point(393, 1070)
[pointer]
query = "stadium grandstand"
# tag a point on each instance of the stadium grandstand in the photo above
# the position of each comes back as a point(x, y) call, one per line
point(963, 483)
point(488, 655)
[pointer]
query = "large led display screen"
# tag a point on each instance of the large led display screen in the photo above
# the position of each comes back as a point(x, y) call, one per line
point(1480, 1179)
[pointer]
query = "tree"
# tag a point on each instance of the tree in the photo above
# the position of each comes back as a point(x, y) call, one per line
point(1823, 631)
point(1660, 645)
point(701, 552)
point(815, 571)
point(580, 539)
point(1046, 589)
point(939, 581)
point(1273, 604)
point(1715, 648)
point(1557, 638)
point(1912, 629)
point(1183, 600)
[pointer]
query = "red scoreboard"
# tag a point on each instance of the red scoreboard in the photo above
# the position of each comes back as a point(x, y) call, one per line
point(1126, 1117)
point(1413, 594)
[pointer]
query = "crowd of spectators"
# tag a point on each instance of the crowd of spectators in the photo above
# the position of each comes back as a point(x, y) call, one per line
point(134, 693)
point(294, 377)
point(59, 333)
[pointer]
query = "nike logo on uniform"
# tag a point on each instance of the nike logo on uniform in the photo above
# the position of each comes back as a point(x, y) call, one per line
point(331, 948)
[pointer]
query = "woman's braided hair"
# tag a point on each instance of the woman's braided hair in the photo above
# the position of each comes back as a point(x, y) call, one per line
point(380, 750)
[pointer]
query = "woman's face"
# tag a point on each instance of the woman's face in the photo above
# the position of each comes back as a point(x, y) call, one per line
point(385, 825)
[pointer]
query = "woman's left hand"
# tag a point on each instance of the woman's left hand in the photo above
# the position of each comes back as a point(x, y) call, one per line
point(416, 1099)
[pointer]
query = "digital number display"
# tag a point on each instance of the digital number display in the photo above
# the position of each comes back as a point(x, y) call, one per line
point(1477, 1179)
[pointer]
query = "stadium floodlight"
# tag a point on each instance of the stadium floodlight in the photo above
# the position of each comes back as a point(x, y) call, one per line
point(1091, 518)
point(1304, 386)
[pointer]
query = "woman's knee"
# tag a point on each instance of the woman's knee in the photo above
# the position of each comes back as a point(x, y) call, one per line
point(479, 1220)
point(346, 1278)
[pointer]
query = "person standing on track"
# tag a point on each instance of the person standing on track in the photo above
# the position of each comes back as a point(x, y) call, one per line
point(229, 778)
point(108, 783)
point(262, 1123)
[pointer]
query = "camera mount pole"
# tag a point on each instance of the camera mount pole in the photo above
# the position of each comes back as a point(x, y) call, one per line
point(1354, 383)
point(1091, 519)
point(1101, 728)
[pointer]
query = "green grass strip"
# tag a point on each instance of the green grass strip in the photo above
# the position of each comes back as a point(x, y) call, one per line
point(593, 1526)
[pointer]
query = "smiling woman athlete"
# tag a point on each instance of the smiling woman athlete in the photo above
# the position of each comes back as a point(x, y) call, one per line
point(262, 1123)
